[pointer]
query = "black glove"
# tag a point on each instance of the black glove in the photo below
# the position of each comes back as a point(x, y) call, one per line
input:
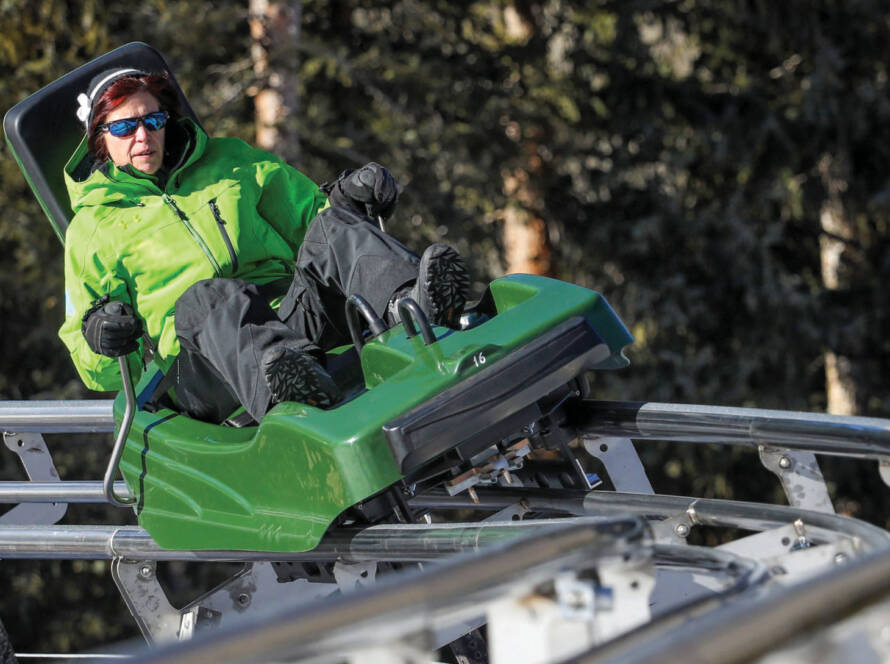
point(371, 190)
point(111, 328)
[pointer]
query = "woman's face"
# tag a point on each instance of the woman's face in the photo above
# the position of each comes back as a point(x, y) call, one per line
point(143, 149)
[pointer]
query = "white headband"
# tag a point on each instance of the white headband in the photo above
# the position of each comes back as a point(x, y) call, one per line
point(85, 102)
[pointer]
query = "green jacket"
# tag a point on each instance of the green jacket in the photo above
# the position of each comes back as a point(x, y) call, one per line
point(227, 210)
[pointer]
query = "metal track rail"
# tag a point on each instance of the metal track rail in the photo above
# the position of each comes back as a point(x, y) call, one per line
point(385, 543)
point(592, 523)
point(408, 600)
point(821, 526)
point(407, 607)
point(83, 416)
point(863, 437)
point(755, 625)
point(401, 542)
point(824, 434)
point(858, 437)
point(57, 492)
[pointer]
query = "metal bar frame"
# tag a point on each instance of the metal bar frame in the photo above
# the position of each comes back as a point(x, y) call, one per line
point(821, 526)
point(864, 437)
point(858, 437)
point(861, 437)
point(76, 416)
point(408, 600)
point(747, 625)
point(413, 603)
point(753, 625)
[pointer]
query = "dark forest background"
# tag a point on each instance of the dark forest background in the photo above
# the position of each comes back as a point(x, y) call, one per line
point(719, 170)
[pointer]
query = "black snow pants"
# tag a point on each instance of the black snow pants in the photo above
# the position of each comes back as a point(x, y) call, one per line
point(225, 325)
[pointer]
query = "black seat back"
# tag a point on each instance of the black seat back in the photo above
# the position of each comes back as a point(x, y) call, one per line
point(43, 131)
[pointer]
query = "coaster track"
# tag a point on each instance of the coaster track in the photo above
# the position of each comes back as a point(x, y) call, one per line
point(612, 569)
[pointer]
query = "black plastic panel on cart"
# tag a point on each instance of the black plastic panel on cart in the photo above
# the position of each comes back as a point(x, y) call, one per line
point(491, 403)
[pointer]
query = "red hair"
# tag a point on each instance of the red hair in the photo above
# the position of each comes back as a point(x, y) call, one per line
point(157, 85)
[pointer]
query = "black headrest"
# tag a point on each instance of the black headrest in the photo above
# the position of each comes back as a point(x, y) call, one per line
point(43, 131)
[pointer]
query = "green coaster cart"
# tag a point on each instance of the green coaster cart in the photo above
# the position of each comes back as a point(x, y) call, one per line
point(426, 407)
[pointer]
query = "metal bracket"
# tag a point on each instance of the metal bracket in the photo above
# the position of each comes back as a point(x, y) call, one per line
point(573, 614)
point(789, 554)
point(250, 590)
point(769, 543)
point(622, 463)
point(800, 476)
point(138, 584)
point(352, 576)
point(576, 597)
point(799, 564)
point(514, 512)
point(631, 585)
point(532, 628)
point(197, 618)
point(675, 529)
point(38, 463)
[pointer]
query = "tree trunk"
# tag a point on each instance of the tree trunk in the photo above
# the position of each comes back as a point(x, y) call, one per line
point(275, 29)
point(526, 239)
point(842, 387)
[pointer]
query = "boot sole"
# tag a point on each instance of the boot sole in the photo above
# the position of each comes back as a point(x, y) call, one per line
point(296, 376)
point(444, 281)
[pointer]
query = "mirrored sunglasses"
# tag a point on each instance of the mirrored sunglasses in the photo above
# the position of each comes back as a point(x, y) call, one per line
point(127, 126)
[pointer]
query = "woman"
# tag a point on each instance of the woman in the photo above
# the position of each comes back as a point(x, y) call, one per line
point(235, 265)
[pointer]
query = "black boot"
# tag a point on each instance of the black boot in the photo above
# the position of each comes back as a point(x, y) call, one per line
point(441, 287)
point(294, 375)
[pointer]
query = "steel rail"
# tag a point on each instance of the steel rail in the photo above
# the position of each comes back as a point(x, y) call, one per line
point(863, 437)
point(384, 543)
point(750, 627)
point(820, 526)
point(395, 542)
point(81, 416)
point(824, 434)
point(89, 491)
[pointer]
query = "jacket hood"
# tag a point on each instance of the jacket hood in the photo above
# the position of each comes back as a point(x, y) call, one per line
point(90, 185)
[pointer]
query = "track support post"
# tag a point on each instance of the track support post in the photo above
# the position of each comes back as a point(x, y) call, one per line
point(137, 581)
point(38, 463)
point(800, 476)
point(622, 463)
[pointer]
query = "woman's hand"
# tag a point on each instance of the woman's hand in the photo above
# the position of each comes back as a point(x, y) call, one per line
point(111, 328)
point(370, 190)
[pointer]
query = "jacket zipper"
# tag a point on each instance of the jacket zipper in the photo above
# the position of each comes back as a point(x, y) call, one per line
point(221, 223)
point(185, 222)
